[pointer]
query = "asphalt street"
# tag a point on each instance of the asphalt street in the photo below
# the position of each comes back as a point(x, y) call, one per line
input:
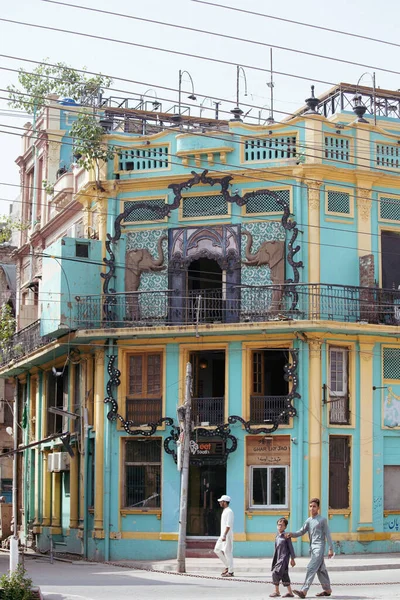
point(96, 581)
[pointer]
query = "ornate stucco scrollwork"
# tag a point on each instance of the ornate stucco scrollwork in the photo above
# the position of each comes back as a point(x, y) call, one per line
point(314, 194)
point(364, 204)
point(222, 432)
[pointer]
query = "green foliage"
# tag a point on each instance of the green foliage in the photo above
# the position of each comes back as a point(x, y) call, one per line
point(88, 134)
point(45, 79)
point(16, 585)
point(48, 187)
point(7, 326)
point(8, 225)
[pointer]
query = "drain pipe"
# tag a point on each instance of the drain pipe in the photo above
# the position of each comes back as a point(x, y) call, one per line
point(87, 430)
point(14, 558)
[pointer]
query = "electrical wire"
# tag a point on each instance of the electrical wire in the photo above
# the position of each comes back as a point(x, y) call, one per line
point(220, 35)
point(301, 23)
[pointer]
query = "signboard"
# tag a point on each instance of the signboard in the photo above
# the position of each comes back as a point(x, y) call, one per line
point(274, 450)
point(207, 447)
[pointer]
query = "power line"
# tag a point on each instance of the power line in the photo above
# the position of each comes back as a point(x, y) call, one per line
point(293, 22)
point(223, 35)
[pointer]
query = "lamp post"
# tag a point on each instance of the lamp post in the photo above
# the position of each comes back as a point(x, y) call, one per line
point(237, 111)
point(357, 97)
point(156, 103)
point(192, 96)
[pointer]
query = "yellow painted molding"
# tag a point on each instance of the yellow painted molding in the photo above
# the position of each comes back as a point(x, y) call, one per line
point(366, 528)
point(240, 537)
point(267, 513)
point(98, 534)
point(37, 529)
point(168, 537)
point(260, 537)
point(141, 511)
point(55, 530)
point(345, 513)
point(136, 535)
point(386, 513)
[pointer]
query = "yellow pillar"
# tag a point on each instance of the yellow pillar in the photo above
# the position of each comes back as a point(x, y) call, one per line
point(46, 491)
point(366, 437)
point(56, 500)
point(74, 488)
point(315, 419)
point(99, 428)
point(314, 193)
point(364, 204)
point(314, 150)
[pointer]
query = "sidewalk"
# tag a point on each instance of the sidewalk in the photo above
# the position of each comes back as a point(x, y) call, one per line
point(257, 566)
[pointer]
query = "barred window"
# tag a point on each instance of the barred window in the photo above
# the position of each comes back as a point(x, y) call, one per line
point(204, 206)
point(263, 201)
point(339, 472)
point(143, 213)
point(338, 202)
point(389, 208)
point(271, 148)
point(388, 155)
point(339, 412)
point(143, 159)
point(142, 470)
point(337, 148)
point(391, 363)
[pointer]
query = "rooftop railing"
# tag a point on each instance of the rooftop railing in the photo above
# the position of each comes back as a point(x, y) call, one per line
point(22, 343)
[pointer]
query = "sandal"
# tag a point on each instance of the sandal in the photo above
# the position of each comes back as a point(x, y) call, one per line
point(274, 595)
point(324, 593)
point(299, 593)
point(288, 595)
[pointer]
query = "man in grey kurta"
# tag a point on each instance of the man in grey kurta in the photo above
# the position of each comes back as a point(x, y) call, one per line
point(318, 532)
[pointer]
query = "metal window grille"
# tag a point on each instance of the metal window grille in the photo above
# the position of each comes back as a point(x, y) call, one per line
point(204, 206)
point(391, 363)
point(338, 202)
point(144, 213)
point(388, 155)
point(272, 148)
point(337, 148)
point(143, 159)
point(143, 473)
point(389, 208)
point(339, 472)
point(263, 202)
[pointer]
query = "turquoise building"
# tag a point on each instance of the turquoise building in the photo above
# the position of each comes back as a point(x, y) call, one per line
point(267, 257)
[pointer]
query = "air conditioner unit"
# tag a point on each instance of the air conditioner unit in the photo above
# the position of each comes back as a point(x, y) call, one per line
point(60, 462)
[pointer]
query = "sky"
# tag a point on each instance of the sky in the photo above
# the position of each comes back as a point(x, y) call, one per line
point(148, 68)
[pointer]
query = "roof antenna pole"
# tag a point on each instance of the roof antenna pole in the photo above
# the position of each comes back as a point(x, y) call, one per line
point(270, 84)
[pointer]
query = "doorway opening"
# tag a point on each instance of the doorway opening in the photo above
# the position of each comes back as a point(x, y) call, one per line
point(205, 291)
point(208, 401)
point(207, 483)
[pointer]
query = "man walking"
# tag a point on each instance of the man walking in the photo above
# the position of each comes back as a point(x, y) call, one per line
point(318, 531)
point(224, 546)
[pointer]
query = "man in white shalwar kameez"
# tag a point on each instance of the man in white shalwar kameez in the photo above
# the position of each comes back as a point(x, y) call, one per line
point(224, 546)
point(318, 532)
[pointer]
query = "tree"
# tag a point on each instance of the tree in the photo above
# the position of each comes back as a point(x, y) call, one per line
point(8, 225)
point(7, 326)
point(60, 79)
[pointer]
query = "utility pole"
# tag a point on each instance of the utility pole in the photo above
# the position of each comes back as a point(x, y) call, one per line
point(185, 417)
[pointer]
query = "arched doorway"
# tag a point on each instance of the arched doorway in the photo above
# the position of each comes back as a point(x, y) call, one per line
point(205, 291)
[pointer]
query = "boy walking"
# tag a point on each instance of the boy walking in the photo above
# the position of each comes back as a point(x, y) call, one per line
point(318, 532)
point(280, 562)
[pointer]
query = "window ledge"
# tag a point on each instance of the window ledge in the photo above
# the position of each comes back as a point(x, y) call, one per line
point(141, 511)
point(346, 512)
point(386, 513)
point(273, 512)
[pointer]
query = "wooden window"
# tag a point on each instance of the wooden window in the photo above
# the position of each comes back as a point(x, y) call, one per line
point(269, 389)
point(57, 397)
point(339, 412)
point(268, 487)
point(142, 474)
point(339, 472)
point(144, 395)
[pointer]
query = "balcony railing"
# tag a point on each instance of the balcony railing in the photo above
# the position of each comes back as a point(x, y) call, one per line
point(208, 410)
point(23, 342)
point(235, 304)
point(143, 410)
point(264, 409)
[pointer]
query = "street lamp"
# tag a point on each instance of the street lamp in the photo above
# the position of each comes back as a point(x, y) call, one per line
point(192, 95)
point(156, 103)
point(237, 111)
point(357, 99)
point(213, 104)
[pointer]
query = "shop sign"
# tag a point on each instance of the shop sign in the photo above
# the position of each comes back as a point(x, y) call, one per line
point(206, 448)
point(274, 450)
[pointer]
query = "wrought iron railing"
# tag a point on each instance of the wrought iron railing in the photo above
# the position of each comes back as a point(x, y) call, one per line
point(23, 342)
point(141, 411)
point(339, 412)
point(208, 410)
point(233, 304)
point(266, 409)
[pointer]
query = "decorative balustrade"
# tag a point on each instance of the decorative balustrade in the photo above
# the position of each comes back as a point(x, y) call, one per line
point(235, 304)
point(23, 342)
point(208, 411)
point(267, 409)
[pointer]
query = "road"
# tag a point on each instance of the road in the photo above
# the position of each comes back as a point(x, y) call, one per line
point(95, 581)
